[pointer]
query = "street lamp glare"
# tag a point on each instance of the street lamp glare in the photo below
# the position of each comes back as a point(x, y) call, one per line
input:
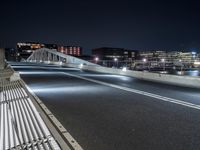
point(115, 59)
point(96, 58)
point(144, 59)
point(81, 65)
point(124, 69)
point(163, 60)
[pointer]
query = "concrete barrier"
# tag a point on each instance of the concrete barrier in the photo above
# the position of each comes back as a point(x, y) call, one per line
point(186, 81)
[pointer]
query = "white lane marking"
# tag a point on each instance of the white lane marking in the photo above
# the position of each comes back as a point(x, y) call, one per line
point(163, 98)
point(37, 72)
point(43, 67)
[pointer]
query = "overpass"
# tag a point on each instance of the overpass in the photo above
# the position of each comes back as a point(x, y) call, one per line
point(106, 108)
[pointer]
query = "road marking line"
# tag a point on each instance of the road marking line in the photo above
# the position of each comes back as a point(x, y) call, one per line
point(163, 98)
point(43, 67)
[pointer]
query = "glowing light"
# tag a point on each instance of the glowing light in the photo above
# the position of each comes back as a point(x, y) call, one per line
point(144, 59)
point(81, 66)
point(180, 73)
point(66, 89)
point(96, 58)
point(163, 60)
point(124, 69)
point(197, 63)
point(193, 53)
point(115, 59)
point(180, 60)
point(163, 72)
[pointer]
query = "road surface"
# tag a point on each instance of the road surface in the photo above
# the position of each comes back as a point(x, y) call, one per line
point(112, 112)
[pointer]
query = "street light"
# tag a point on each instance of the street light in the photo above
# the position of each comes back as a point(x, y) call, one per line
point(181, 65)
point(116, 61)
point(81, 66)
point(163, 61)
point(96, 59)
point(124, 69)
point(144, 61)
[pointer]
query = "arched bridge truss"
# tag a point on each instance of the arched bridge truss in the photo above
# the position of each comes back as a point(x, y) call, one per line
point(45, 55)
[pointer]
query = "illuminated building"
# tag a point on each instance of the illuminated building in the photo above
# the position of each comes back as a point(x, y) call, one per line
point(107, 53)
point(70, 50)
point(169, 55)
point(29, 46)
point(152, 55)
point(25, 49)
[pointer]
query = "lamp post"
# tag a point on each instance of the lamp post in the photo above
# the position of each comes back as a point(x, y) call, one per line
point(116, 61)
point(163, 61)
point(181, 66)
point(144, 61)
point(96, 59)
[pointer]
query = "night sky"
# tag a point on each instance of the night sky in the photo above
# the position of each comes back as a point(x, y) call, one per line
point(142, 24)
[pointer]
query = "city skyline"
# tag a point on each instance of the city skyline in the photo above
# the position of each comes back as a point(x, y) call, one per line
point(141, 25)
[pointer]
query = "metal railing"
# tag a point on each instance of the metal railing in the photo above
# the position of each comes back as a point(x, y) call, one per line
point(21, 126)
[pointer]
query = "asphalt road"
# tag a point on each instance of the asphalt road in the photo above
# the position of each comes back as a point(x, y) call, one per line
point(102, 117)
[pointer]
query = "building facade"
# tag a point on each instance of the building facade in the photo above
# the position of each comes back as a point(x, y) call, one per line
point(183, 56)
point(108, 53)
point(70, 50)
point(25, 49)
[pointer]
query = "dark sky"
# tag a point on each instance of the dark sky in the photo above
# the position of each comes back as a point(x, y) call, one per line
point(133, 24)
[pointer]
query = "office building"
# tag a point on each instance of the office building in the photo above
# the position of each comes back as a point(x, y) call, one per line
point(108, 53)
point(25, 49)
point(70, 50)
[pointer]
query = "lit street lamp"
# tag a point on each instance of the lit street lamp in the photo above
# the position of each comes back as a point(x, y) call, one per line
point(163, 61)
point(116, 61)
point(144, 61)
point(96, 59)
